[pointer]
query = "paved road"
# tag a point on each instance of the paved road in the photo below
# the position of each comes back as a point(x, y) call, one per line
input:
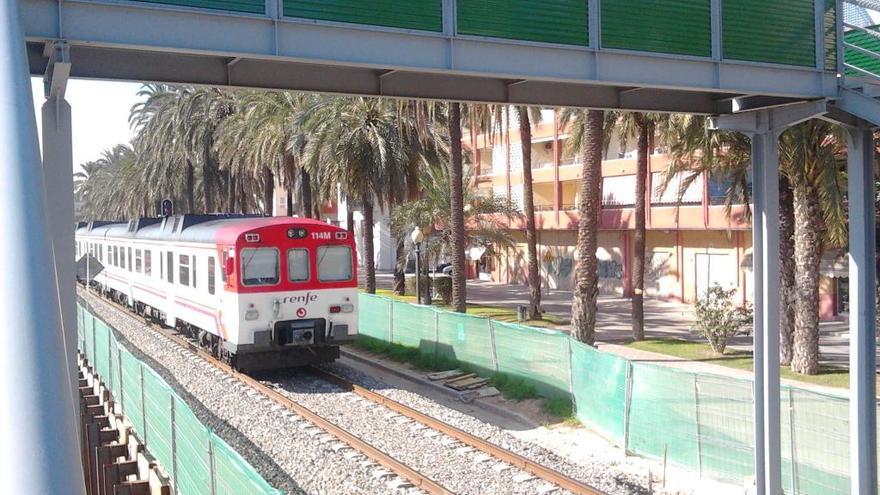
point(662, 318)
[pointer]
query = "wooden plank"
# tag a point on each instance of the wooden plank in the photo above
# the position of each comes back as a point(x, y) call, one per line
point(445, 375)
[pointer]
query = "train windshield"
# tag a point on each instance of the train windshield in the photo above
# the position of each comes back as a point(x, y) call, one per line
point(259, 266)
point(334, 263)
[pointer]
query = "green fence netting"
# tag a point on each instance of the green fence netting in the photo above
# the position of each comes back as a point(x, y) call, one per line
point(599, 389)
point(698, 421)
point(465, 338)
point(198, 461)
point(538, 356)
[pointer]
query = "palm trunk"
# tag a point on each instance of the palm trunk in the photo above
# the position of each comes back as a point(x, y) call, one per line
point(525, 132)
point(289, 202)
point(242, 196)
point(807, 218)
point(399, 269)
point(349, 218)
point(268, 190)
point(787, 272)
point(459, 280)
point(369, 255)
point(638, 269)
point(190, 187)
point(230, 192)
point(209, 182)
point(305, 184)
point(586, 288)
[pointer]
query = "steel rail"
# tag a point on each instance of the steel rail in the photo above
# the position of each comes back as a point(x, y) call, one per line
point(416, 478)
point(555, 477)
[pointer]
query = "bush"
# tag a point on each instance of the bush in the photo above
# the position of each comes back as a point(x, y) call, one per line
point(443, 286)
point(425, 282)
point(718, 318)
point(513, 388)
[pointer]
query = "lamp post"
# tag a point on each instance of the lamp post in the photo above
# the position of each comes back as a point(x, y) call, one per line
point(417, 237)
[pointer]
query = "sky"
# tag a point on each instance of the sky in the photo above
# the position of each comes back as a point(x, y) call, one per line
point(99, 113)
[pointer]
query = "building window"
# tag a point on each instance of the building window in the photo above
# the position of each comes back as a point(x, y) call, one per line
point(619, 191)
point(183, 268)
point(297, 265)
point(683, 188)
point(334, 263)
point(259, 266)
point(211, 274)
point(148, 265)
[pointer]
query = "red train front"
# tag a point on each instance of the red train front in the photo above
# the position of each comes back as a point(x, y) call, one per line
point(261, 292)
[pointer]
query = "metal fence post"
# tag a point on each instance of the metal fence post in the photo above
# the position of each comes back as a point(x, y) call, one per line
point(627, 403)
point(390, 321)
point(571, 377)
point(173, 446)
point(492, 345)
point(795, 488)
point(143, 404)
point(436, 332)
point(211, 465)
point(697, 420)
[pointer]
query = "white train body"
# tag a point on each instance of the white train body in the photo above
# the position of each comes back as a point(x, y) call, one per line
point(261, 292)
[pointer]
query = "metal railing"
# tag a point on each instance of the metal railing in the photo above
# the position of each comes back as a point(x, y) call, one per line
point(858, 42)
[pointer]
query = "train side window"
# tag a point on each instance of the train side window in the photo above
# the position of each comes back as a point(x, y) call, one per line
point(130, 261)
point(148, 262)
point(297, 265)
point(169, 267)
point(334, 263)
point(211, 274)
point(224, 256)
point(194, 263)
point(122, 258)
point(259, 266)
point(183, 269)
point(138, 261)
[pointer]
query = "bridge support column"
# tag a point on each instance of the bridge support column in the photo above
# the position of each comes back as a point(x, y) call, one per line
point(764, 127)
point(58, 180)
point(38, 453)
point(862, 308)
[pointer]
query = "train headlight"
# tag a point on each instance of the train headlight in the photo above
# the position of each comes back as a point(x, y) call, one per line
point(342, 308)
point(251, 314)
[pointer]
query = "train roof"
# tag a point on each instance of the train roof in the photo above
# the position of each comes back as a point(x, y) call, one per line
point(219, 228)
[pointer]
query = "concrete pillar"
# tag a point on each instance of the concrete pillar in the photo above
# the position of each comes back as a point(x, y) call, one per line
point(38, 453)
point(58, 180)
point(765, 239)
point(863, 286)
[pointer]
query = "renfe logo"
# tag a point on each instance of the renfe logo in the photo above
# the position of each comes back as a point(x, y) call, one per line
point(303, 299)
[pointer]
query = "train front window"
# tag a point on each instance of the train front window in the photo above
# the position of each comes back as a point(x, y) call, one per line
point(259, 266)
point(334, 263)
point(297, 265)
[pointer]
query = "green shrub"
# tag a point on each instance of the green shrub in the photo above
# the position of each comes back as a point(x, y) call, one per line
point(405, 354)
point(443, 286)
point(718, 318)
point(425, 282)
point(561, 408)
point(512, 387)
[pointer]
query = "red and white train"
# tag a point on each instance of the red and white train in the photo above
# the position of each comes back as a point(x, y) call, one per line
point(259, 292)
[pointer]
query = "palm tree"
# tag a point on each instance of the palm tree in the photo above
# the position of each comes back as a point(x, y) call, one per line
point(811, 212)
point(526, 116)
point(588, 140)
point(810, 159)
point(354, 144)
point(459, 280)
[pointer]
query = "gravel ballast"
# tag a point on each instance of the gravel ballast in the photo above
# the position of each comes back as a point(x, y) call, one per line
point(283, 448)
point(296, 457)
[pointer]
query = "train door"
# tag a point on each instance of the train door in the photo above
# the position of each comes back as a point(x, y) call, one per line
point(171, 304)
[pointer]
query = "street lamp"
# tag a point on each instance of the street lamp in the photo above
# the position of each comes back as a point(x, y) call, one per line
point(417, 237)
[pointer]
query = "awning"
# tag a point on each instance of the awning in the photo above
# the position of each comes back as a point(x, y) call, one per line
point(834, 264)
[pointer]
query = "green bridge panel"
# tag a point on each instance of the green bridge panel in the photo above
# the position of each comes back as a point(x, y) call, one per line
point(781, 31)
point(861, 60)
point(553, 21)
point(424, 15)
point(246, 6)
point(681, 27)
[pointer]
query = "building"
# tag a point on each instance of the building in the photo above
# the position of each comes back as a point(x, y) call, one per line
point(691, 241)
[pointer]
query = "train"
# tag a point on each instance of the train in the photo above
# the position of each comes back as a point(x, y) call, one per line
point(258, 292)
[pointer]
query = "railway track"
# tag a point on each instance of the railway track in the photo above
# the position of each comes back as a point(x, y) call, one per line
point(401, 469)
